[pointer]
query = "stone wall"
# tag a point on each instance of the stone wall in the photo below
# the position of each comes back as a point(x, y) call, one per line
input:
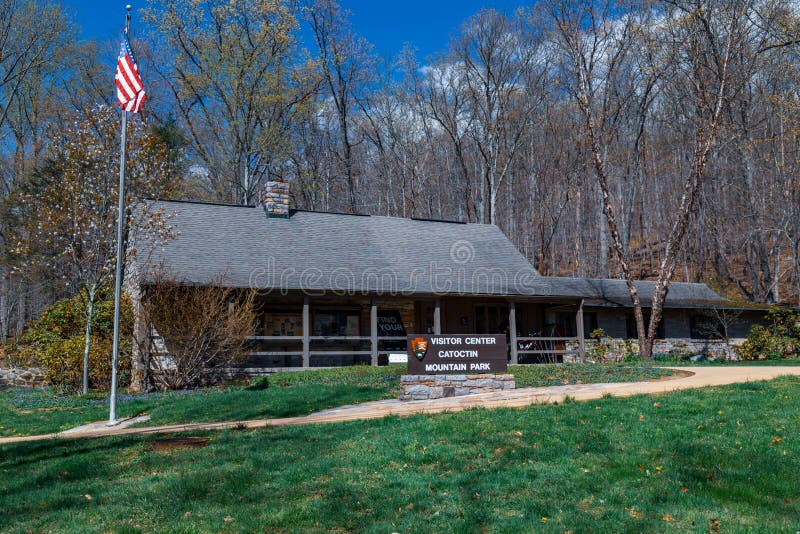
point(32, 377)
point(422, 387)
point(617, 349)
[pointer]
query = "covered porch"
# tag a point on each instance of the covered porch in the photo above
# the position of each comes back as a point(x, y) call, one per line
point(303, 331)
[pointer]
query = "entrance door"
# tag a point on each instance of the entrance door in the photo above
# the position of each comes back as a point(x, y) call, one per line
point(424, 311)
point(491, 319)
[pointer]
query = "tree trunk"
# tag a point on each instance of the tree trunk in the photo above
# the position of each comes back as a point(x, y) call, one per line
point(797, 269)
point(87, 340)
point(4, 305)
point(776, 276)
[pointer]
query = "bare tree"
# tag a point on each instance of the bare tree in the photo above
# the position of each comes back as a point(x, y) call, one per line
point(701, 39)
point(191, 332)
point(503, 72)
point(228, 72)
point(346, 63)
point(67, 211)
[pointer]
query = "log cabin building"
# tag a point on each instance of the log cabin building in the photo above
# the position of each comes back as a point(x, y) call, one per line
point(341, 289)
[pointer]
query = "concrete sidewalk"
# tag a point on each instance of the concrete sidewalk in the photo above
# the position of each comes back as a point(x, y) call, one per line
point(687, 378)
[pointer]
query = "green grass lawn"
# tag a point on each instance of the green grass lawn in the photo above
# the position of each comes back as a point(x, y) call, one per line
point(24, 412)
point(35, 412)
point(718, 459)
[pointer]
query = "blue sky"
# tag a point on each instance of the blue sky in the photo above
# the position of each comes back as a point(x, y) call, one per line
point(428, 25)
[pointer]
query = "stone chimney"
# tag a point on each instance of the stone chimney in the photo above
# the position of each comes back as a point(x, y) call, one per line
point(275, 199)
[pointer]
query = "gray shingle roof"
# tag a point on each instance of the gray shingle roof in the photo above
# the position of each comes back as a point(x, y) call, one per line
point(360, 254)
point(610, 292)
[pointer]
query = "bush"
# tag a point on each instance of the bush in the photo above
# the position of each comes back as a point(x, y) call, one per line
point(55, 342)
point(779, 339)
point(204, 329)
point(672, 356)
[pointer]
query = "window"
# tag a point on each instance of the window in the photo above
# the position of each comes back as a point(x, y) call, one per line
point(705, 327)
point(491, 319)
point(589, 323)
point(337, 323)
point(630, 323)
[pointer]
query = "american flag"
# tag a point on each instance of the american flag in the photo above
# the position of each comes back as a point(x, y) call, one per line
point(130, 90)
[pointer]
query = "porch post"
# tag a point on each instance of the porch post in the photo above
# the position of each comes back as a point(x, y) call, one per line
point(373, 332)
point(437, 317)
point(306, 334)
point(579, 328)
point(512, 331)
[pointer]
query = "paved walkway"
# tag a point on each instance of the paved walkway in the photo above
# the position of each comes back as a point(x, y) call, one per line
point(688, 378)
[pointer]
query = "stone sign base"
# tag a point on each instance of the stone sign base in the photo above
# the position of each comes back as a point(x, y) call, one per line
point(422, 387)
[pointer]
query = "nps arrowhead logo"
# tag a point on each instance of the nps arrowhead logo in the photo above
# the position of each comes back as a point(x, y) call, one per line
point(419, 346)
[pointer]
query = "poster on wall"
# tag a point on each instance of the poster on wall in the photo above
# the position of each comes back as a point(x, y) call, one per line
point(390, 324)
point(283, 324)
point(335, 323)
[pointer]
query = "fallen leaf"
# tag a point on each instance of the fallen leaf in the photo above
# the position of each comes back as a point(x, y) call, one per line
point(636, 514)
point(227, 519)
point(777, 440)
point(667, 518)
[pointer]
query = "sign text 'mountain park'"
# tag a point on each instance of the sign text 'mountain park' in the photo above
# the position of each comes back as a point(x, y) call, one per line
point(456, 354)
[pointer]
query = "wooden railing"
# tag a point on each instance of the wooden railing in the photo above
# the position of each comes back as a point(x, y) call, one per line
point(362, 346)
point(361, 340)
point(545, 345)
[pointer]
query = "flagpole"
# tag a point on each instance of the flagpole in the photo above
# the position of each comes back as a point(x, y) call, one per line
point(112, 411)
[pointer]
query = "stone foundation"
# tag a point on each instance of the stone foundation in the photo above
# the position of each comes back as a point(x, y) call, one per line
point(423, 387)
point(617, 349)
point(32, 377)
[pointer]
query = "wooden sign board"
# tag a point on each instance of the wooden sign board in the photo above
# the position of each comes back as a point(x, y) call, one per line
point(457, 354)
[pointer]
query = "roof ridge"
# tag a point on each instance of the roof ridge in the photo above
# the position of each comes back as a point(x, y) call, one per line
point(198, 202)
point(586, 279)
point(298, 210)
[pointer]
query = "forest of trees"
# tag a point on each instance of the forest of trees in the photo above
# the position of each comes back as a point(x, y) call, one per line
point(630, 139)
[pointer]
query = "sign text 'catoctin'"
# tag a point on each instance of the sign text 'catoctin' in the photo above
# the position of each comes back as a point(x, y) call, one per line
point(456, 354)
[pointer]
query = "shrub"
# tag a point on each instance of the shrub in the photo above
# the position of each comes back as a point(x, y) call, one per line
point(55, 342)
point(779, 339)
point(204, 329)
point(630, 349)
point(598, 351)
point(259, 384)
point(672, 356)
